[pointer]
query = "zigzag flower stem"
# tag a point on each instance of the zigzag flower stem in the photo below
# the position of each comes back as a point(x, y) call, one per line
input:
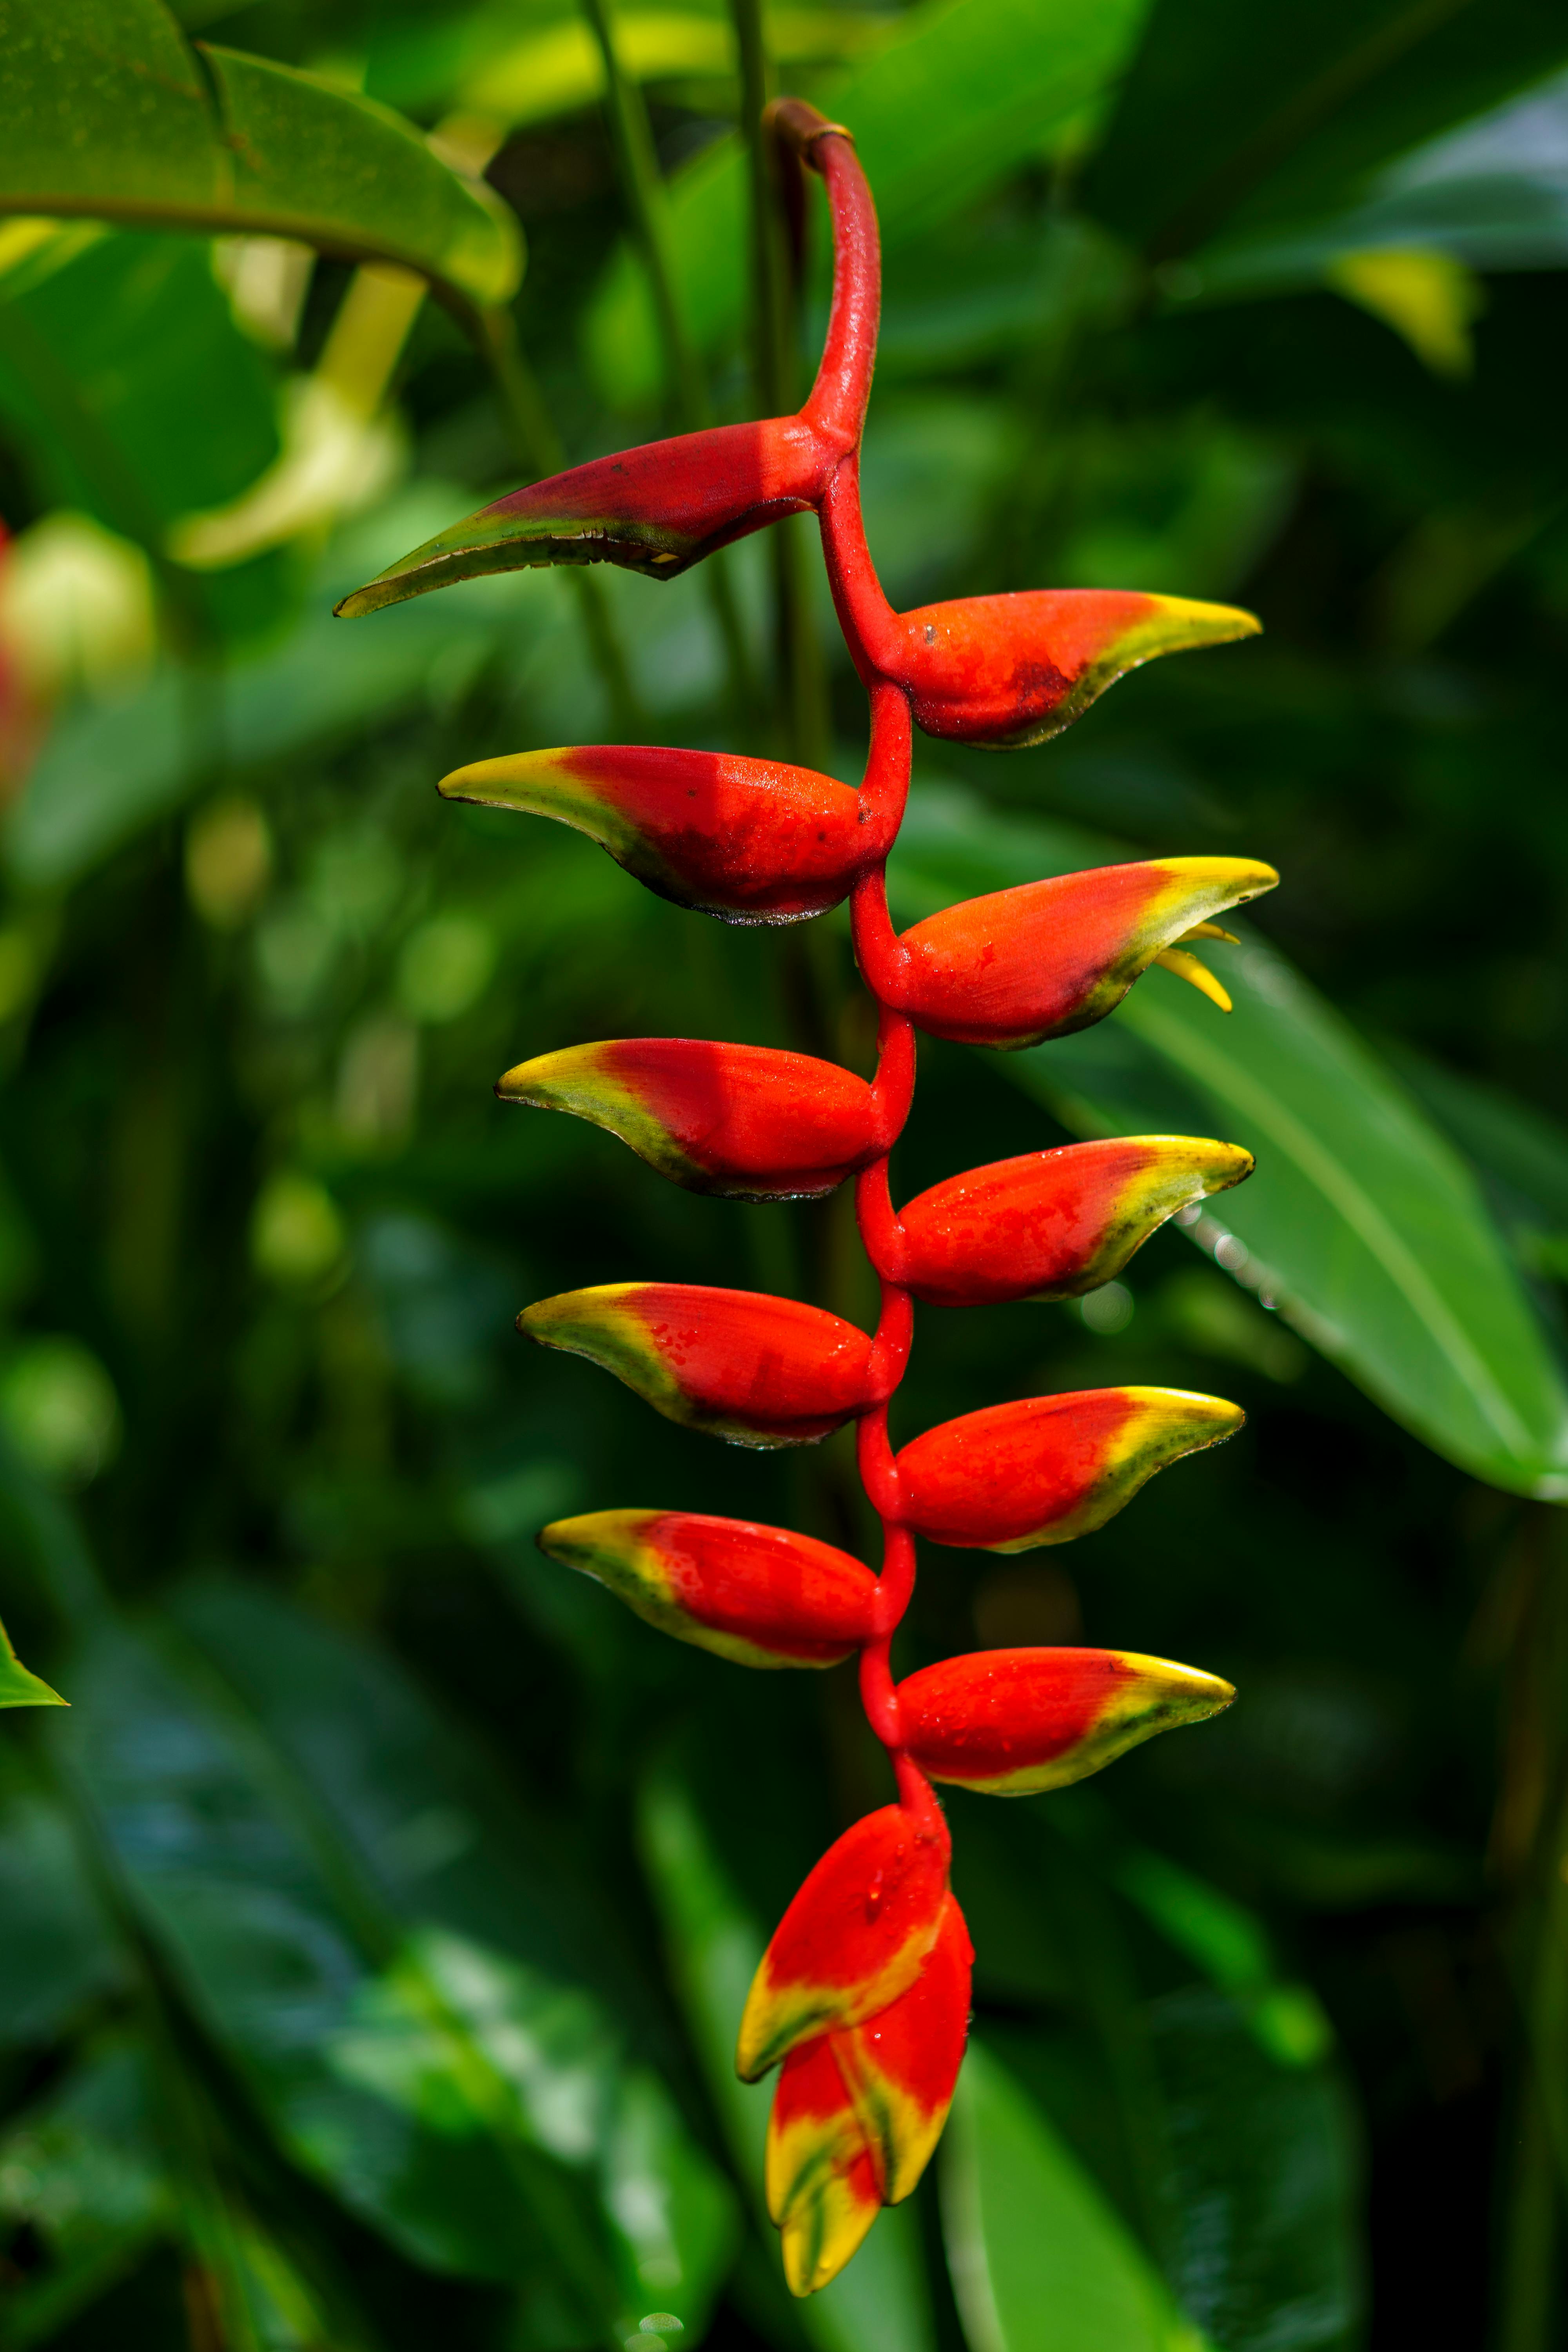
point(862, 1996)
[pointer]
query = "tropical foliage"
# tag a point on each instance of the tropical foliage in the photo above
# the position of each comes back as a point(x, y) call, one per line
point(380, 1913)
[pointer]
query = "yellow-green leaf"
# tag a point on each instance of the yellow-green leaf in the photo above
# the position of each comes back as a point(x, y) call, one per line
point(107, 112)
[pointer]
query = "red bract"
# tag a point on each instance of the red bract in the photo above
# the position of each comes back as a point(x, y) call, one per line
point(759, 1595)
point(1009, 671)
point(854, 1939)
point(745, 1120)
point(856, 2113)
point(1053, 1467)
point(1012, 1722)
point(737, 1364)
point(862, 1996)
point(655, 510)
point(1019, 966)
point(748, 840)
point(1054, 1223)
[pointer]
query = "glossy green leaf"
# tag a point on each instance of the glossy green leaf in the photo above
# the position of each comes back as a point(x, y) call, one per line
point(1362, 1225)
point(108, 112)
point(968, 89)
point(388, 1956)
point(1236, 115)
point(1199, 2121)
point(19, 1686)
point(1040, 2262)
point(880, 2302)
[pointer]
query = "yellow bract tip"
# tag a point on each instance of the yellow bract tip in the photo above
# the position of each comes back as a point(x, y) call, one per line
point(1188, 968)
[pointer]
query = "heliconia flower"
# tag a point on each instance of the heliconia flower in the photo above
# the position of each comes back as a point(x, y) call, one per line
point(761, 1596)
point(853, 1939)
point(857, 2115)
point(1012, 670)
point(1049, 1468)
point(750, 840)
point(657, 510)
point(900, 2065)
point(1019, 966)
point(822, 2185)
point(1013, 1722)
point(747, 1121)
point(739, 1364)
point(1054, 1224)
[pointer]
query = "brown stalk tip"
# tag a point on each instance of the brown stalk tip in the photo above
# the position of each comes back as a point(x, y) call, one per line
point(799, 126)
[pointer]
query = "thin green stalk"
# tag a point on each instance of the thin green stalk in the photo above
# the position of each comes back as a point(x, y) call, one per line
point(1531, 2270)
point(537, 447)
point(800, 672)
point(642, 185)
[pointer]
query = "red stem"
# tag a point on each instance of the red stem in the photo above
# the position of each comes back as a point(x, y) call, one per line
point(836, 409)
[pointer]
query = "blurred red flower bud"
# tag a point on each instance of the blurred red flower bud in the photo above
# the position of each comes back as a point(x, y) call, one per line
point(761, 1596)
point(736, 1363)
point(1050, 1468)
point(1013, 1722)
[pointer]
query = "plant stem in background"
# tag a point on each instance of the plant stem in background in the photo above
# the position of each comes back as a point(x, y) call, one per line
point(1533, 1835)
point(642, 185)
point(537, 447)
point(801, 678)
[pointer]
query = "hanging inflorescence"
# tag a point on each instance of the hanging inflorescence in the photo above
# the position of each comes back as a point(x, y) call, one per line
point(862, 1996)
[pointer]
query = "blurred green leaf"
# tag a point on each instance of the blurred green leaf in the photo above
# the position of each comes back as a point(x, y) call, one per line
point(1233, 115)
point(57, 1954)
point(1491, 195)
point(1040, 2262)
point(1265, 2185)
point(139, 398)
point(83, 2169)
point(968, 89)
point(385, 1955)
point(1361, 1226)
point(114, 116)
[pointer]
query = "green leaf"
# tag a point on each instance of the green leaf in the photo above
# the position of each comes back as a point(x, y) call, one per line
point(1239, 115)
point(968, 90)
point(880, 2302)
point(57, 1955)
point(109, 113)
point(1491, 195)
point(394, 1964)
point(19, 1686)
point(83, 2170)
point(1362, 1225)
point(138, 398)
point(1040, 2262)
point(1265, 2186)
point(110, 771)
